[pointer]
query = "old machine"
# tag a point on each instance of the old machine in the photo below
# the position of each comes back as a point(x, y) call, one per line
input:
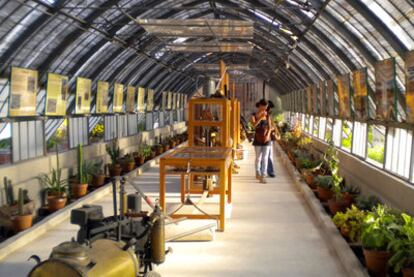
point(125, 244)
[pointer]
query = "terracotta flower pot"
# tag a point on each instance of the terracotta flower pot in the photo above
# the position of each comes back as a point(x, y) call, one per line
point(377, 262)
point(336, 206)
point(55, 203)
point(139, 160)
point(158, 151)
point(98, 180)
point(128, 166)
point(324, 194)
point(408, 272)
point(309, 179)
point(348, 199)
point(345, 232)
point(115, 170)
point(22, 222)
point(79, 190)
point(172, 144)
point(166, 147)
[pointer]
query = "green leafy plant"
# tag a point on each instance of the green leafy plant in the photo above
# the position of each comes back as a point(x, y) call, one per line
point(305, 163)
point(145, 151)
point(332, 161)
point(402, 245)
point(54, 183)
point(113, 151)
point(8, 191)
point(379, 228)
point(128, 158)
point(351, 221)
point(93, 167)
point(352, 190)
point(82, 176)
point(304, 141)
point(367, 202)
point(324, 181)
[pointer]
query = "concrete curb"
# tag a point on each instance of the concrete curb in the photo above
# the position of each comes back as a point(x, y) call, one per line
point(341, 248)
point(21, 239)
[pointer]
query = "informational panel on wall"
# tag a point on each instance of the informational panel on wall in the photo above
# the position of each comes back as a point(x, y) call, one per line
point(315, 99)
point(409, 94)
point(182, 101)
point(385, 89)
point(83, 95)
point(185, 99)
point(330, 93)
point(360, 82)
point(22, 101)
point(169, 101)
point(344, 95)
point(164, 100)
point(150, 100)
point(322, 98)
point(57, 93)
point(118, 98)
point(102, 97)
point(309, 100)
point(130, 100)
point(141, 100)
point(174, 103)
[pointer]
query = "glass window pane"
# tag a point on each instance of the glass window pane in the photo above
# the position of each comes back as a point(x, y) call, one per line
point(322, 127)
point(5, 143)
point(96, 129)
point(316, 126)
point(360, 137)
point(329, 128)
point(346, 140)
point(59, 137)
point(376, 140)
point(336, 135)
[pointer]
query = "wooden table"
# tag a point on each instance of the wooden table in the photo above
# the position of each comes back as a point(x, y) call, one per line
point(208, 161)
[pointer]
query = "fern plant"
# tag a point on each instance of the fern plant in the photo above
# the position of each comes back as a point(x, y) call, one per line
point(403, 245)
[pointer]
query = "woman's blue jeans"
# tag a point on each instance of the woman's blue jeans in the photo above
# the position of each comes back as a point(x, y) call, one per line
point(262, 158)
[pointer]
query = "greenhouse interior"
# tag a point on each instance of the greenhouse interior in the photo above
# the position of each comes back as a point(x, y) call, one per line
point(207, 138)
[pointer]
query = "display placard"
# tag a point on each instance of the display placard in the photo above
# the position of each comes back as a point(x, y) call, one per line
point(164, 101)
point(130, 100)
point(83, 95)
point(330, 93)
point(150, 100)
point(315, 99)
point(344, 95)
point(309, 100)
point(322, 98)
point(178, 100)
point(118, 98)
point(409, 94)
point(102, 97)
point(23, 92)
point(385, 89)
point(57, 93)
point(360, 82)
point(169, 101)
point(141, 100)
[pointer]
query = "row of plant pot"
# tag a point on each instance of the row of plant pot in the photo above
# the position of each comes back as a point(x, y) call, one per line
point(18, 214)
point(383, 236)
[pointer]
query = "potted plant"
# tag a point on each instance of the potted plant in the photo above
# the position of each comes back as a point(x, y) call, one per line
point(158, 149)
point(350, 223)
point(349, 194)
point(114, 152)
point(144, 152)
point(172, 142)
point(367, 202)
point(378, 231)
point(23, 220)
point(80, 188)
point(324, 185)
point(128, 163)
point(402, 247)
point(94, 168)
point(165, 145)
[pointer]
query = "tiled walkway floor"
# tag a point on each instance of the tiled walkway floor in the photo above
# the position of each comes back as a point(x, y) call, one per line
point(270, 234)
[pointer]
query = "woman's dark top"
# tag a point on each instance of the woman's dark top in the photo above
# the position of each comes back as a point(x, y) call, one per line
point(262, 124)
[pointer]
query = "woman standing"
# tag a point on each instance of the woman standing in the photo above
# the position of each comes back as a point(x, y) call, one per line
point(270, 165)
point(263, 126)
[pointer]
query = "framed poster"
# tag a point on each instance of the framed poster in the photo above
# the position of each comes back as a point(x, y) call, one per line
point(57, 93)
point(169, 100)
point(150, 100)
point(344, 95)
point(315, 99)
point(164, 100)
point(309, 100)
point(385, 89)
point(178, 100)
point(102, 97)
point(182, 101)
point(83, 95)
point(322, 98)
point(130, 100)
point(330, 93)
point(118, 98)
point(23, 92)
point(409, 94)
point(141, 100)
point(360, 82)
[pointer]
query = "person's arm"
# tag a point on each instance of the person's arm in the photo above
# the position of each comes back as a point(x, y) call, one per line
point(270, 128)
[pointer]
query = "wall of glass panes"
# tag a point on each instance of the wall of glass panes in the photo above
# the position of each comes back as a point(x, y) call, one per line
point(385, 147)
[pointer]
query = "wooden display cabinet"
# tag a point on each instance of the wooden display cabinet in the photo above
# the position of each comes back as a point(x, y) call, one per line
point(209, 122)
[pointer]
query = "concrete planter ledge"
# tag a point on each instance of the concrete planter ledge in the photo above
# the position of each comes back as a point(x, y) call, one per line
point(341, 248)
point(21, 239)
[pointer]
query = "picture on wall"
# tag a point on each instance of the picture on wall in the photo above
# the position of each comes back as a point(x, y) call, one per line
point(360, 82)
point(150, 100)
point(57, 92)
point(102, 97)
point(118, 100)
point(330, 93)
point(164, 100)
point(344, 95)
point(141, 100)
point(385, 89)
point(409, 94)
point(169, 100)
point(322, 98)
point(309, 100)
point(315, 99)
point(23, 92)
point(83, 95)
point(130, 100)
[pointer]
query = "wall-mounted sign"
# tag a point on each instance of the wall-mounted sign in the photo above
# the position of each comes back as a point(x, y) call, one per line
point(315, 99)
point(83, 95)
point(169, 100)
point(164, 100)
point(141, 100)
point(23, 92)
point(130, 100)
point(118, 100)
point(360, 82)
point(322, 98)
point(150, 100)
point(309, 100)
point(385, 89)
point(344, 95)
point(409, 94)
point(102, 97)
point(330, 93)
point(57, 93)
